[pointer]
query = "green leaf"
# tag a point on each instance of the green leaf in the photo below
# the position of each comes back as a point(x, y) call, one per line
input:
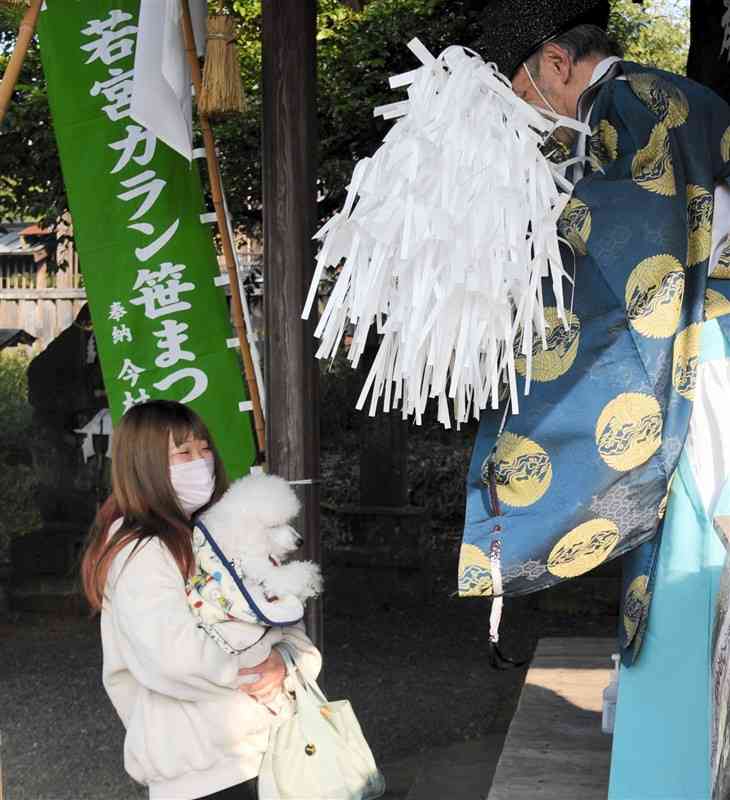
point(356, 53)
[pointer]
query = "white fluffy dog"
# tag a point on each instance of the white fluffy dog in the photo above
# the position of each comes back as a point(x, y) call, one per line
point(250, 524)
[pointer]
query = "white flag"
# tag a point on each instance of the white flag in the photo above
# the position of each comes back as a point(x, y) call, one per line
point(161, 96)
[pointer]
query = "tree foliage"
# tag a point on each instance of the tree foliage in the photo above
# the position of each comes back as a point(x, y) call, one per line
point(357, 52)
point(18, 511)
point(656, 34)
point(31, 185)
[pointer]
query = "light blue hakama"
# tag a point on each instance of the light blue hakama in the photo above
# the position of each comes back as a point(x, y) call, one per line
point(661, 745)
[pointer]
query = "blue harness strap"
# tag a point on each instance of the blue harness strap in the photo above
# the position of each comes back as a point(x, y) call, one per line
point(239, 583)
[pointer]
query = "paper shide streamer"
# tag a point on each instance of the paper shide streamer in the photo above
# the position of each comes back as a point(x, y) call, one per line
point(443, 242)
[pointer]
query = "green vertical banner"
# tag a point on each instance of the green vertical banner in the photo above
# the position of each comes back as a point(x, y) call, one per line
point(148, 261)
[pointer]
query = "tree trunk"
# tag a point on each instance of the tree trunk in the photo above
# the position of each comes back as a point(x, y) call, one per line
point(289, 211)
point(706, 63)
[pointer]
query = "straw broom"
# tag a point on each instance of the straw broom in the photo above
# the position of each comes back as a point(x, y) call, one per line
point(230, 259)
point(222, 91)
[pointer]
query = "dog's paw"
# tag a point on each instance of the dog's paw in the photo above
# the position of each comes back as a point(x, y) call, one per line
point(303, 579)
point(316, 582)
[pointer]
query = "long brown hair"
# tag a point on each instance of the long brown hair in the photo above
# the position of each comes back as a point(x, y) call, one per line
point(142, 494)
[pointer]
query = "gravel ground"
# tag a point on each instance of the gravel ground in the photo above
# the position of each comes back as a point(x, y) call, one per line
point(418, 678)
point(62, 739)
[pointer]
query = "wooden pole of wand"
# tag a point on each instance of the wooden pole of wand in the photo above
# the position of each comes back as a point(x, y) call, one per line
point(216, 189)
point(12, 71)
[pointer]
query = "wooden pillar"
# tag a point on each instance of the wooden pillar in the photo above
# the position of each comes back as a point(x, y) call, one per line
point(706, 64)
point(289, 212)
point(383, 450)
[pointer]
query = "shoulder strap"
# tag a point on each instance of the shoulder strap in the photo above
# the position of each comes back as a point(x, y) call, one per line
point(237, 580)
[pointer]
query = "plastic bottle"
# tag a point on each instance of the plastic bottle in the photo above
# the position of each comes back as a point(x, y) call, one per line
point(610, 697)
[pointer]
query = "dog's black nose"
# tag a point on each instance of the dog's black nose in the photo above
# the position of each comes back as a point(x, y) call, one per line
point(300, 542)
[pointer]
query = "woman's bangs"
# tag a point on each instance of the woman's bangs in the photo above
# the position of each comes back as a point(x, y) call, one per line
point(184, 424)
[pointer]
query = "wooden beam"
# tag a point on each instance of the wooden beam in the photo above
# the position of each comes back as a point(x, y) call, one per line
point(289, 212)
point(43, 294)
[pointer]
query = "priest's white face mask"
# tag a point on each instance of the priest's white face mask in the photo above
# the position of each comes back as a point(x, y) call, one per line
point(539, 92)
point(192, 473)
point(550, 98)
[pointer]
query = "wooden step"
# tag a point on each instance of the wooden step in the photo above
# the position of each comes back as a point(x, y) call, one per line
point(555, 749)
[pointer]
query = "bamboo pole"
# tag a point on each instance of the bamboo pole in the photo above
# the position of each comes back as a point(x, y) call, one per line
point(228, 254)
point(12, 71)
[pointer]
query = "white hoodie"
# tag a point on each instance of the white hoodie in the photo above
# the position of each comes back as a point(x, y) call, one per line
point(190, 732)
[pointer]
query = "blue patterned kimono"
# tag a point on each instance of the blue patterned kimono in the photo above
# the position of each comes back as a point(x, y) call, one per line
point(582, 474)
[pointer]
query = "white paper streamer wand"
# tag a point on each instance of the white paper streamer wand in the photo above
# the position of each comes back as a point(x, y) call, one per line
point(444, 238)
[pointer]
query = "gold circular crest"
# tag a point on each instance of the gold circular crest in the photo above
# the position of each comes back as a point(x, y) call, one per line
point(574, 225)
point(629, 430)
point(664, 99)
point(583, 549)
point(725, 145)
point(716, 304)
point(686, 359)
point(523, 471)
point(475, 572)
point(700, 205)
point(636, 604)
point(562, 348)
point(652, 167)
point(654, 293)
point(603, 145)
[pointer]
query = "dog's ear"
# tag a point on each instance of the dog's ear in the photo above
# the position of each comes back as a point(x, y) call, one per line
point(268, 498)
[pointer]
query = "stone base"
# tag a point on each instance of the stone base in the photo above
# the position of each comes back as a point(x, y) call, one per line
point(49, 595)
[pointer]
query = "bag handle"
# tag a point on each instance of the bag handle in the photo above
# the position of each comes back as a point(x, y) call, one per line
point(237, 580)
point(298, 677)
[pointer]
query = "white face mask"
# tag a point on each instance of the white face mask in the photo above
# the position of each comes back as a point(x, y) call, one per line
point(193, 482)
point(541, 95)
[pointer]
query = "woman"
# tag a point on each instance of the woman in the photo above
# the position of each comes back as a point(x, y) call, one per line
point(196, 717)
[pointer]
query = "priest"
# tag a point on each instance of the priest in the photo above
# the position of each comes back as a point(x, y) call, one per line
point(622, 448)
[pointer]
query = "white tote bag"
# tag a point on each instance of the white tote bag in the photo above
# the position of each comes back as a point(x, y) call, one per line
point(320, 753)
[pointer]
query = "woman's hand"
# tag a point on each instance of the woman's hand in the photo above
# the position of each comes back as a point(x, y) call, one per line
point(263, 680)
